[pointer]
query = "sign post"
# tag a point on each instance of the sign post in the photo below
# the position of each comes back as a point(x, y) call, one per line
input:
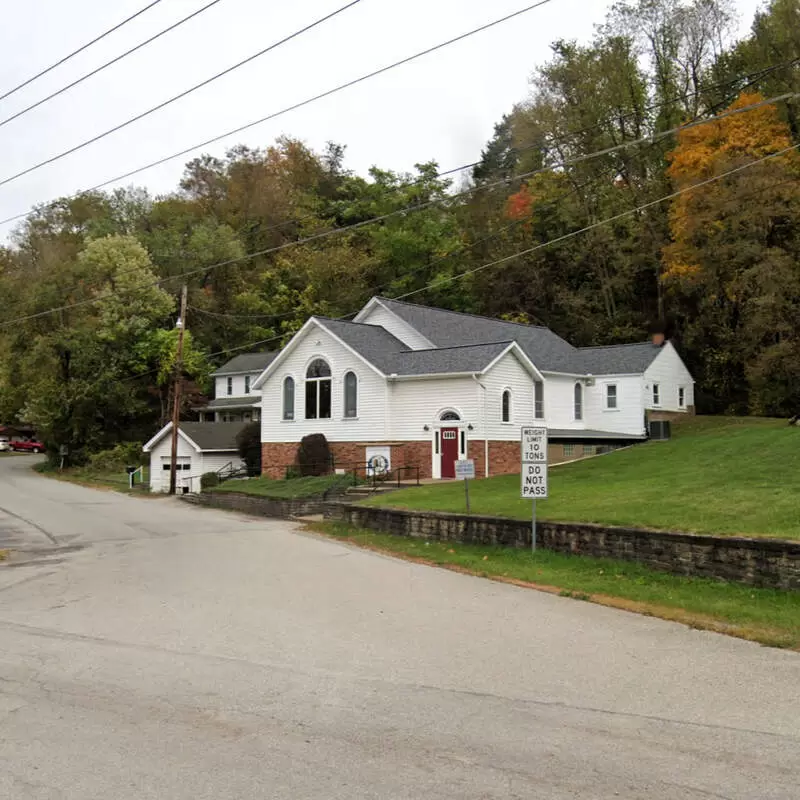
point(465, 468)
point(534, 470)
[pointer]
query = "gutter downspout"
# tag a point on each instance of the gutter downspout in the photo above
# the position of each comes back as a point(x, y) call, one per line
point(485, 430)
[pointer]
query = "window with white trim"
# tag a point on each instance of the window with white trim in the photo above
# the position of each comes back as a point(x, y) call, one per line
point(578, 401)
point(288, 398)
point(506, 405)
point(681, 397)
point(656, 394)
point(318, 390)
point(569, 450)
point(350, 395)
point(230, 385)
point(611, 396)
point(247, 384)
point(538, 400)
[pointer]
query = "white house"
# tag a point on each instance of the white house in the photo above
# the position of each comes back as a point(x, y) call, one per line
point(235, 399)
point(202, 447)
point(423, 387)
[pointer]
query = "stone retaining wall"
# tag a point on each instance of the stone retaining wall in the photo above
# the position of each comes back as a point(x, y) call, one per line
point(757, 562)
point(261, 506)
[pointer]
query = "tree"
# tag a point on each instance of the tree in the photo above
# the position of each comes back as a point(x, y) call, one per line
point(248, 441)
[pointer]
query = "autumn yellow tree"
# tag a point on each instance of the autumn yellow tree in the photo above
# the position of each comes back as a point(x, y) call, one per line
point(731, 267)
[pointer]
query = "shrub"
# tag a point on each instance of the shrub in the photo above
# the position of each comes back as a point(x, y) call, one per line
point(208, 479)
point(117, 458)
point(314, 455)
point(248, 440)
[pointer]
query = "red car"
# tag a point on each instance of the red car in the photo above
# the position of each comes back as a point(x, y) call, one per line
point(31, 445)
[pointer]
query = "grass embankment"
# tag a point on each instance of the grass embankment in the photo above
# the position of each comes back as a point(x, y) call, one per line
point(97, 479)
point(292, 489)
point(768, 616)
point(723, 475)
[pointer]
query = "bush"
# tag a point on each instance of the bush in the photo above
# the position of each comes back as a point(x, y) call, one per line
point(248, 440)
point(314, 455)
point(208, 479)
point(117, 458)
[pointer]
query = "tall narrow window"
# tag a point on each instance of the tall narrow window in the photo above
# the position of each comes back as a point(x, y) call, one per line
point(656, 395)
point(507, 405)
point(230, 385)
point(288, 398)
point(681, 397)
point(350, 395)
point(538, 400)
point(611, 396)
point(247, 384)
point(463, 450)
point(578, 401)
point(318, 390)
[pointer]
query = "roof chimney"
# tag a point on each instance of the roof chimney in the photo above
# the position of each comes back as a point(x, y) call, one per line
point(658, 339)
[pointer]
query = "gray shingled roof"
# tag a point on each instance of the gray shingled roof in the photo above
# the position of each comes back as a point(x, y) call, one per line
point(619, 359)
point(546, 350)
point(232, 402)
point(213, 435)
point(246, 362)
point(392, 357)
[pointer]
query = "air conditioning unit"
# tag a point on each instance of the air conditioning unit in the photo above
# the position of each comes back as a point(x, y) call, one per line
point(660, 430)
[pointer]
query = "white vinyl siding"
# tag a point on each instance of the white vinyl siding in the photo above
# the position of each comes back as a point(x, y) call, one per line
point(627, 417)
point(378, 315)
point(415, 404)
point(199, 463)
point(318, 343)
point(669, 372)
point(237, 385)
point(559, 403)
point(508, 374)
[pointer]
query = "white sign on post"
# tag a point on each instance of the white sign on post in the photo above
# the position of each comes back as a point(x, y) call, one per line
point(534, 463)
point(465, 468)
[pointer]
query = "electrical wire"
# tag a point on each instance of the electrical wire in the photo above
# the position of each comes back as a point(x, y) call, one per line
point(419, 206)
point(272, 116)
point(79, 50)
point(177, 97)
point(115, 60)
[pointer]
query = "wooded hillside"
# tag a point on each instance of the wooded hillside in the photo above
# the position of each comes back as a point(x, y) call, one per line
point(266, 237)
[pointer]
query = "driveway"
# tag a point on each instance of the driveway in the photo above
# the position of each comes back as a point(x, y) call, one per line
point(151, 649)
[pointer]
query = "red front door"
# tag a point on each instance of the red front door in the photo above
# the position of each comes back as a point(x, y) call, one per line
point(449, 452)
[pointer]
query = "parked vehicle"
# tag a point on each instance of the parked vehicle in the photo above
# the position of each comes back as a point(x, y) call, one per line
point(4, 446)
point(27, 446)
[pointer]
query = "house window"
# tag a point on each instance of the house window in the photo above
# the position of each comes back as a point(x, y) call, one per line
point(449, 416)
point(681, 397)
point(656, 395)
point(569, 450)
point(230, 386)
point(350, 395)
point(247, 384)
point(318, 390)
point(611, 396)
point(288, 398)
point(578, 401)
point(506, 405)
point(538, 400)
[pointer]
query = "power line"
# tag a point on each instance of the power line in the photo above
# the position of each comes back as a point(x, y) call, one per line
point(419, 206)
point(272, 116)
point(79, 50)
point(177, 97)
point(108, 63)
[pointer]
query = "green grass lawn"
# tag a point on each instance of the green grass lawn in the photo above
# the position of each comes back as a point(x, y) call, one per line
point(769, 616)
point(292, 489)
point(117, 479)
point(724, 475)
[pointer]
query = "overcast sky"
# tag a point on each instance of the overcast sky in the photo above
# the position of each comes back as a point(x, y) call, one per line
point(441, 107)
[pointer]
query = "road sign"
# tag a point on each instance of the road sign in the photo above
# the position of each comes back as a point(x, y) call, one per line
point(534, 463)
point(465, 468)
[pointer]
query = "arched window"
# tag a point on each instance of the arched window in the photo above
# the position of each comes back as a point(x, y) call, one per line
point(578, 401)
point(350, 395)
point(507, 405)
point(449, 416)
point(288, 397)
point(318, 390)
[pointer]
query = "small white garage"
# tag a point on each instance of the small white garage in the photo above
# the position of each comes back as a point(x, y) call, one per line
point(202, 447)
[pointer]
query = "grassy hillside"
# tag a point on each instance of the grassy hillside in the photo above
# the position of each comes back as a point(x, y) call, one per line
point(725, 475)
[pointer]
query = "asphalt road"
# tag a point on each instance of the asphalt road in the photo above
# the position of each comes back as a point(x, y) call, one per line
point(149, 649)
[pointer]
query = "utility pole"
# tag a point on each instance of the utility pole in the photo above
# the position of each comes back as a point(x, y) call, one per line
point(176, 393)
